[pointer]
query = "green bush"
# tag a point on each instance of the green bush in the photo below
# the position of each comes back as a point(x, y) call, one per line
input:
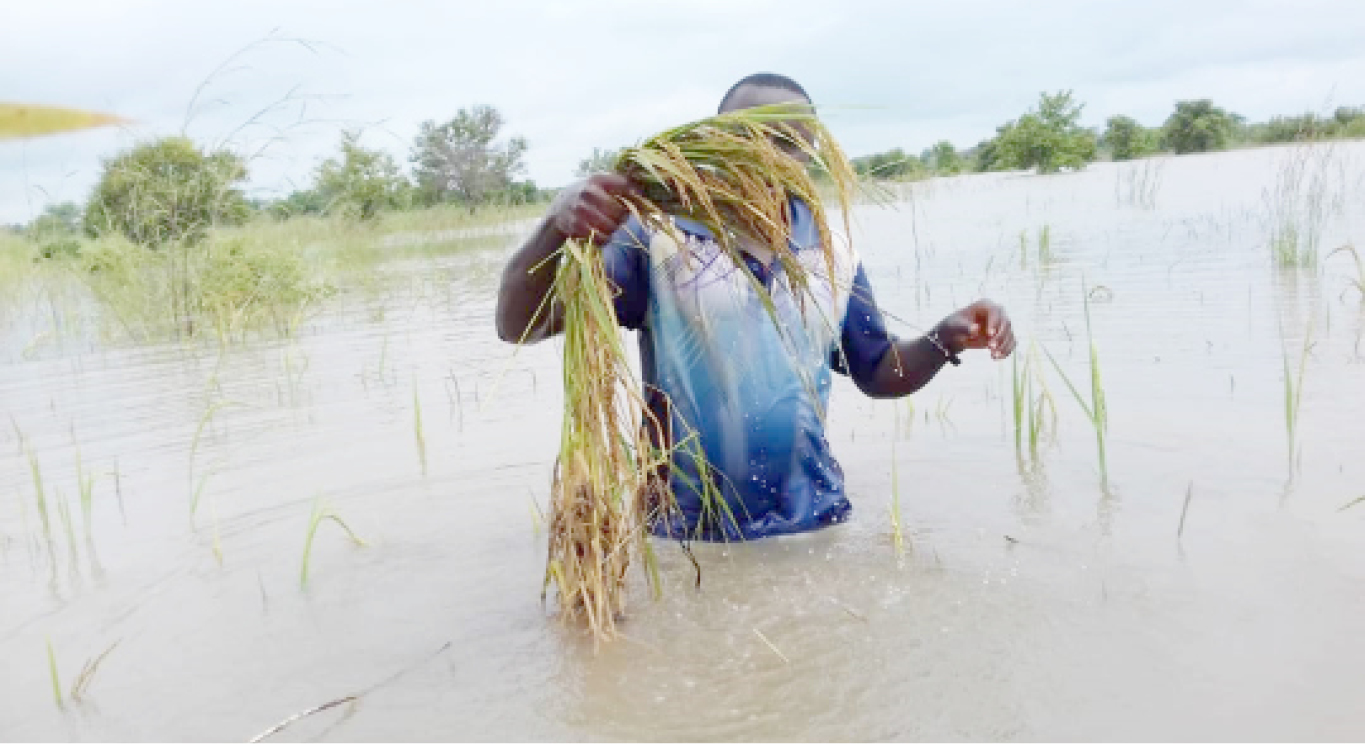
point(1126, 139)
point(1049, 138)
point(167, 191)
point(1197, 126)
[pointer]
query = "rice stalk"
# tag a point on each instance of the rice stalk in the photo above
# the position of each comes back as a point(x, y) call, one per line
point(897, 533)
point(1045, 245)
point(86, 482)
point(600, 505)
point(1019, 381)
point(417, 426)
point(1096, 410)
point(1189, 494)
point(1358, 281)
point(64, 512)
point(40, 497)
point(52, 672)
point(87, 675)
point(734, 174)
point(209, 413)
point(1293, 396)
point(321, 513)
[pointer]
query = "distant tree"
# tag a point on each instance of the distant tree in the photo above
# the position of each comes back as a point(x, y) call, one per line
point(359, 182)
point(302, 201)
point(1197, 126)
point(892, 164)
point(943, 158)
point(166, 191)
point(57, 230)
point(462, 158)
point(600, 161)
point(1127, 139)
point(62, 218)
point(1049, 138)
point(985, 156)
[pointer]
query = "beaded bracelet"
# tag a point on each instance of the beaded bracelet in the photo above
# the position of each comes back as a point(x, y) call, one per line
point(933, 339)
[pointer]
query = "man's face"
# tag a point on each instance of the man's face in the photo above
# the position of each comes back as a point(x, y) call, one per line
point(753, 96)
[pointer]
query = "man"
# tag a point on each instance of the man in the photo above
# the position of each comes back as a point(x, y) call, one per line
point(741, 398)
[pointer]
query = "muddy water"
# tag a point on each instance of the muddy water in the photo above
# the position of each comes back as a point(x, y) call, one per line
point(1033, 601)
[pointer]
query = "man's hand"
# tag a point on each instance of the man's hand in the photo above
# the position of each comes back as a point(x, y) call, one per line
point(981, 325)
point(591, 208)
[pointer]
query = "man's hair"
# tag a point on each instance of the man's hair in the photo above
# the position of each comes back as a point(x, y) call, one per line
point(763, 80)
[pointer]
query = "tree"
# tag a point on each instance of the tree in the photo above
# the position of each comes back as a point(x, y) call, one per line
point(61, 219)
point(57, 229)
point(986, 155)
point(1127, 139)
point(462, 158)
point(1049, 138)
point(600, 161)
point(892, 164)
point(360, 182)
point(1197, 126)
point(943, 158)
point(167, 191)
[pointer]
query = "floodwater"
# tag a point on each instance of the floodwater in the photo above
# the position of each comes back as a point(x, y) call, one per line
point(1032, 602)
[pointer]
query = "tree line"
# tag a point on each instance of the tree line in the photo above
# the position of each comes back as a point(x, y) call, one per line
point(1049, 138)
point(173, 190)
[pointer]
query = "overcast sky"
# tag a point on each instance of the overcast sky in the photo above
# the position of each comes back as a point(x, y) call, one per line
point(570, 76)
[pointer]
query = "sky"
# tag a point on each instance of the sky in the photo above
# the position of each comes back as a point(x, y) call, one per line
point(277, 81)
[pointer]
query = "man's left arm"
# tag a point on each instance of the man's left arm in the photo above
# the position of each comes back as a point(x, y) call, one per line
point(883, 366)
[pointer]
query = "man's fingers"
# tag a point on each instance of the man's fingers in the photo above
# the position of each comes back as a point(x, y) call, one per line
point(994, 317)
point(588, 219)
point(609, 205)
point(612, 183)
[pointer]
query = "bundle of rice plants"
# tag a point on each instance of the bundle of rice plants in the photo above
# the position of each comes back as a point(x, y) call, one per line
point(735, 174)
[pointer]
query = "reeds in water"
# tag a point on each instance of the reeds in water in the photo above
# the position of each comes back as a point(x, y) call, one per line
point(1096, 410)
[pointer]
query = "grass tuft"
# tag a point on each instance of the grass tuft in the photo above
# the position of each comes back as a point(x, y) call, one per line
point(1096, 410)
point(322, 513)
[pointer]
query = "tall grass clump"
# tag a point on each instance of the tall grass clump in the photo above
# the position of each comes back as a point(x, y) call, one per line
point(1308, 187)
point(1095, 408)
point(1138, 183)
point(1045, 255)
point(1033, 415)
point(734, 173)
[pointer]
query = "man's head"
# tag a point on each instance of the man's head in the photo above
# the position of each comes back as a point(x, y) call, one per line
point(770, 89)
point(762, 89)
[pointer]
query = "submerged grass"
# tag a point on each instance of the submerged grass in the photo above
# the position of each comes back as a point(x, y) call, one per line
point(1293, 397)
point(322, 513)
point(52, 673)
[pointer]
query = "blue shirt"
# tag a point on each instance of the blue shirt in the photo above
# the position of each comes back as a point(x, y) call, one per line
point(740, 398)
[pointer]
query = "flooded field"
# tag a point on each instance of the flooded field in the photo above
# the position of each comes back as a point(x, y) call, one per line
point(1207, 584)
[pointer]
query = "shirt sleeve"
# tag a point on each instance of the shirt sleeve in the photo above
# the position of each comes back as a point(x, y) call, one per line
point(864, 339)
point(626, 260)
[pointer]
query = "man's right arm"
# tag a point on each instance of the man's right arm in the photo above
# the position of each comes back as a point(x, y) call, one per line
point(589, 210)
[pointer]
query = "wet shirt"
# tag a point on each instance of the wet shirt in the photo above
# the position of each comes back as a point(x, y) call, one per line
point(739, 386)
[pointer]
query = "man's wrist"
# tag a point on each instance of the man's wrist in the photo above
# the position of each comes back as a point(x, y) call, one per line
point(946, 345)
